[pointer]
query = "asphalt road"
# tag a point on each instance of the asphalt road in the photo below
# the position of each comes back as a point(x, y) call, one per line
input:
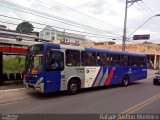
point(139, 97)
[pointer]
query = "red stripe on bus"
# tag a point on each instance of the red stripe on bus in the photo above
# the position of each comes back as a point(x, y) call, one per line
point(108, 81)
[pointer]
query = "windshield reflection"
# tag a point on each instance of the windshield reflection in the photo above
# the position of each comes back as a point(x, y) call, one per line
point(34, 63)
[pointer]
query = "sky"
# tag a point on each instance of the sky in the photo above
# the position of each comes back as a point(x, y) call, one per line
point(99, 20)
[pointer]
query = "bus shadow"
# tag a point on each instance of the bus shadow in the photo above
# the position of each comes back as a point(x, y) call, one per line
point(106, 87)
point(37, 95)
point(52, 95)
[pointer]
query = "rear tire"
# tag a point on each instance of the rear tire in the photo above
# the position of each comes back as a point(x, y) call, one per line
point(73, 87)
point(125, 81)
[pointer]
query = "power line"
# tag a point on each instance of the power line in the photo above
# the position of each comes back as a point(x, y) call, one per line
point(49, 25)
point(58, 5)
point(147, 11)
point(151, 11)
point(68, 23)
point(85, 33)
point(95, 23)
point(49, 16)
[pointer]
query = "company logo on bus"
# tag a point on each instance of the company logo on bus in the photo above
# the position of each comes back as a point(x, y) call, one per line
point(87, 71)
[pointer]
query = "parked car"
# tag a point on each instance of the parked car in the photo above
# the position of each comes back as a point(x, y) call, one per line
point(156, 80)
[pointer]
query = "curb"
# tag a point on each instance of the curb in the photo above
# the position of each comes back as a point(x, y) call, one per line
point(10, 90)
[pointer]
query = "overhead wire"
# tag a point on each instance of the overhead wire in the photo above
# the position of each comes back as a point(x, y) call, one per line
point(151, 11)
point(56, 27)
point(65, 28)
point(84, 33)
point(80, 14)
point(48, 16)
point(147, 12)
point(94, 23)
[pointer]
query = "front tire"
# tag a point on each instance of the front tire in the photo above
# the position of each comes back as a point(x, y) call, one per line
point(73, 87)
point(125, 81)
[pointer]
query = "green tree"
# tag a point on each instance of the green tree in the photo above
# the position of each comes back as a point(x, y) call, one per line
point(25, 27)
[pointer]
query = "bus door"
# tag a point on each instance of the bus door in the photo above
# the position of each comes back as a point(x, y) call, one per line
point(54, 66)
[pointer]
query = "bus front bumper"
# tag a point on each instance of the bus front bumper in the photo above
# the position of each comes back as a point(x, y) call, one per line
point(37, 87)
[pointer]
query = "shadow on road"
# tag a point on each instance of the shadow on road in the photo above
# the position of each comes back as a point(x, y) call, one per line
point(52, 95)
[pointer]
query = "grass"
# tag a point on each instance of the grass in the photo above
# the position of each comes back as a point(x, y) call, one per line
point(13, 65)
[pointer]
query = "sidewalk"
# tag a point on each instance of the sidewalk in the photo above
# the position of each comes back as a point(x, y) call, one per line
point(14, 95)
point(151, 72)
point(11, 92)
point(11, 85)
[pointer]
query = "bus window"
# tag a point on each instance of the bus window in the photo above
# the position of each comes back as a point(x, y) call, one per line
point(72, 58)
point(55, 61)
point(138, 61)
point(114, 60)
point(88, 58)
point(102, 59)
point(134, 61)
point(125, 60)
point(142, 61)
point(34, 62)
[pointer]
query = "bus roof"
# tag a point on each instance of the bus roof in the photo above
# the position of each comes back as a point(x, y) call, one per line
point(114, 52)
point(58, 46)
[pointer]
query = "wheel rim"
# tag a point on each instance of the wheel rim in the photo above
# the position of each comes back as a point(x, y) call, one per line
point(73, 88)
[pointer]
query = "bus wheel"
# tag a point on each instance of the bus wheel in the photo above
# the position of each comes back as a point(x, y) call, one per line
point(125, 81)
point(73, 87)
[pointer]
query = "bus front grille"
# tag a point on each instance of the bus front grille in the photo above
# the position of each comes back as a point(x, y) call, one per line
point(31, 86)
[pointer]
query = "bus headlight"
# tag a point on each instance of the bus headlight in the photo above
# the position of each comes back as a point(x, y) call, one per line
point(39, 80)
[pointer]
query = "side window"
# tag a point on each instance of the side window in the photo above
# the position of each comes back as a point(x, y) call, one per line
point(125, 61)
point(134, 61)
point(88, 58)
point(72, 58)
point(102, 59)
point(138, 61)
point(142, 61)
point(114, 60)
point(55, 61)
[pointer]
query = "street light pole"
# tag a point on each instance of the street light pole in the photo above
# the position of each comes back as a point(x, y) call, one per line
point(131, 2)
point(157, 15)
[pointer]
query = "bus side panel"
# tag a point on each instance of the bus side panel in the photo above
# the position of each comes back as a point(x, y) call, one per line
point(144, 73)
point(93, 76)
point(104, 77)
point(119, 72)
point(138, 73)
point(52, 81)
point(72, 72)
point(108, 77)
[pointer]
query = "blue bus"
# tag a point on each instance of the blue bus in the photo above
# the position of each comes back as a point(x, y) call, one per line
point(55, 67)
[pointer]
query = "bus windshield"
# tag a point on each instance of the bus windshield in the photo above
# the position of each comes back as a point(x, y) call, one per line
point(34, 63)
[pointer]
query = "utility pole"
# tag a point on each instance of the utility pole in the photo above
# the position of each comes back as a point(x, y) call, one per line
point(1, 62)
point(127, 5)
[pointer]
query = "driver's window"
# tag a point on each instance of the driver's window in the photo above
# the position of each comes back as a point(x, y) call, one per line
point(55, 61)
